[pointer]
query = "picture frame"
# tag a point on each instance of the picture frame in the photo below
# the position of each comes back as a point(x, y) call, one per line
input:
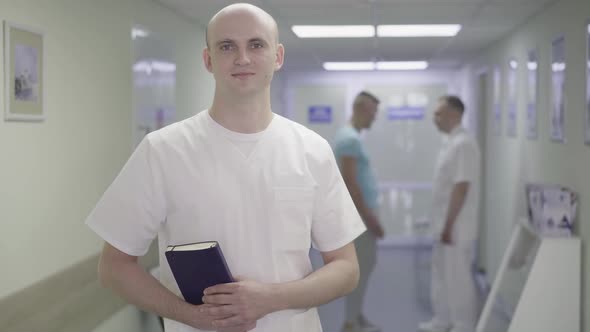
point(24, 73)
point(512, 98)
point(587, 122)
point(558, 97)
point(532, 93)
point(497, 101)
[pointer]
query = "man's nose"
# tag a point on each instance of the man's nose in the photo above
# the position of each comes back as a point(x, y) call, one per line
point(242, 58)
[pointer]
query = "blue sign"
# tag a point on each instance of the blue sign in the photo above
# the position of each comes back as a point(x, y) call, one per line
point(319, 114)
point(406, 113)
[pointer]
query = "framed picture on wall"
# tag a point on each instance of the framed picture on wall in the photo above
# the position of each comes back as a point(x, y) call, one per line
point(512, 108)
point(23, 73)
point(497, 102)
point(532, 94)
point(587, 122)
point(558, 102)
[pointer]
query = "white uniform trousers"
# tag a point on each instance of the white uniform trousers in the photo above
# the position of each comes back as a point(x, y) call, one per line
point(453, 291)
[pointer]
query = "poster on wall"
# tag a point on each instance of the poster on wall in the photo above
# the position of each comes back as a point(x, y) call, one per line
point(558, 102)
point(587, 126)
point(319, 114)
point(552, 209)
point(154, 88)
point(497, 106)
point(512, 116)
point(23, 73)
point(532, 94)
point(409, 107)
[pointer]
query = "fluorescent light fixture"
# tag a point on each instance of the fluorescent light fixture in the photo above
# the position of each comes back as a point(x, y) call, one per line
point(588, 28)
point(532, 65)
point(402, 65)
point(334, 31)
point(415, 30)
point(382, 65)
point(349, 65)
point(137, 33)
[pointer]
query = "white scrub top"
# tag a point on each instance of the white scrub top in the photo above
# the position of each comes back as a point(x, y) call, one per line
point(458, 161)
point(189, 182)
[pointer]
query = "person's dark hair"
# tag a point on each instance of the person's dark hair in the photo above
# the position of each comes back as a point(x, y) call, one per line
point(368, 95)
point(454, 102)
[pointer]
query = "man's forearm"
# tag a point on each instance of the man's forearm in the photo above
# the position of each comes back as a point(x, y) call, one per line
point(357, 197)
point(332, 281)
point(140, 288)
point(458, 196)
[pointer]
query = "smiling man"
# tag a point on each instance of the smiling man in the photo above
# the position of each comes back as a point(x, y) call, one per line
point(264, 187)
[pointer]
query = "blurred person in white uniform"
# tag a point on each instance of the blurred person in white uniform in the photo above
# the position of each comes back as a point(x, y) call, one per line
point(455, 210)
point(264, 187)
point(360, 180)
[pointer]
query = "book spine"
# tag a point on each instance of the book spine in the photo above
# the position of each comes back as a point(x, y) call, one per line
point(218, 248)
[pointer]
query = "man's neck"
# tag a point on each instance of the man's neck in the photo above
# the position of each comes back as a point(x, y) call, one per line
point(244, 115)
point(454, 128)
point(354, 124)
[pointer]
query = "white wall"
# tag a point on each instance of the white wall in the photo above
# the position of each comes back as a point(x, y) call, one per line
point(52, 173)
point(514, 161)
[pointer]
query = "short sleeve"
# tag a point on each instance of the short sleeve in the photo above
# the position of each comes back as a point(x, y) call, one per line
point(336, 221)
point(349, 147)
point(466, 162)
point(129, 214)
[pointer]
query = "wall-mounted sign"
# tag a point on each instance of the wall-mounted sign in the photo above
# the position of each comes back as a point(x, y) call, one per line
point(405, 112)
point(319, 114)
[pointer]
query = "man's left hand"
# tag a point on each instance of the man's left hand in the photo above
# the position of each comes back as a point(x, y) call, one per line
point(447, 236)
point(246, 301)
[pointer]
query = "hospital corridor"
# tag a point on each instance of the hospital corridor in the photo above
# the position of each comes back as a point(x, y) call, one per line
point(294, 166)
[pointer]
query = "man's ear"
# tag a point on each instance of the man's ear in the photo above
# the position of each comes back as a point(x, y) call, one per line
point(280, 56)
point(207, 59)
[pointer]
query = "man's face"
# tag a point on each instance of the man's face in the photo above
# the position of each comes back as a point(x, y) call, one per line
point(442, 117)
point(370, 113)
point(243, 53)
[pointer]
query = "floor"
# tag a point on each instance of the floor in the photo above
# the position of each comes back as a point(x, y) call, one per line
point(398, 296)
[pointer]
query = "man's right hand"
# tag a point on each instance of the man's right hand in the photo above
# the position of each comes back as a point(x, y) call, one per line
point(204, 321)
point(374, 226)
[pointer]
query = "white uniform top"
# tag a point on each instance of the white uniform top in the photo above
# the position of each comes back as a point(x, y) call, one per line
point(458, 161)
point(188, 183)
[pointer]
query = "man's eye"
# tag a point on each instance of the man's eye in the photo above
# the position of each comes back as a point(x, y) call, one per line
point(226, 47)
point(257, 45)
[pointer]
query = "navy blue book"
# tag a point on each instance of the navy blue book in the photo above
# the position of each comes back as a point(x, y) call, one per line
point(197, 266)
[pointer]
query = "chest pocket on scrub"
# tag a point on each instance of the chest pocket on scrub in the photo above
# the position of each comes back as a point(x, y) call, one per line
point(293, 207)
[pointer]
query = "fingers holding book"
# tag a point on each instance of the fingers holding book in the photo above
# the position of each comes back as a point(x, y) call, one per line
point(246, 301)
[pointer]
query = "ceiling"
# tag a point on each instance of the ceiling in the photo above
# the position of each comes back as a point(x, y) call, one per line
point(484, 21)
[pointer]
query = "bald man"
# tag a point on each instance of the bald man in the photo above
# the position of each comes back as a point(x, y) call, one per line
point(264, 187)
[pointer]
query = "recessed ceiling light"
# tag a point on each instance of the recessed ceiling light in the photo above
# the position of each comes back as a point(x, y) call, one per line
point(532, 65)
point(413, 30)
point(334, 31)
point(513, 64)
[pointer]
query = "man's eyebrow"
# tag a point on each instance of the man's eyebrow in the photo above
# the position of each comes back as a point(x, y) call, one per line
point(225, 41)
point(257, 39)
